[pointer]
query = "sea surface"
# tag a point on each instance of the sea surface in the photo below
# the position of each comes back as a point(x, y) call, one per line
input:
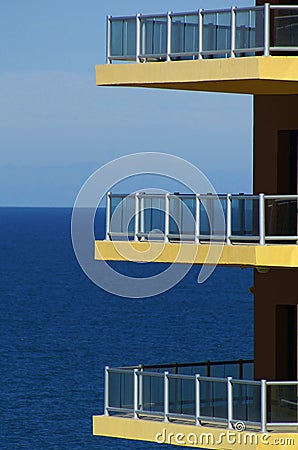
point(58, 331)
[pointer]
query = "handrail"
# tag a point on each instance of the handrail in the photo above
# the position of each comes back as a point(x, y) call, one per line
point(177, 365)
point(232, 32)
point(263, 219)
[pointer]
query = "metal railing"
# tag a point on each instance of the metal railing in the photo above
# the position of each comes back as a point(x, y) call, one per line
point(261, 405)
point(240, 368)
point(234, 32)
point(198, 218)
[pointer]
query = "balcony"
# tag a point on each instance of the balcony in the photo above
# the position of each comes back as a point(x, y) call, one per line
point(252, 230)
point(198, 396)
point(198, 45)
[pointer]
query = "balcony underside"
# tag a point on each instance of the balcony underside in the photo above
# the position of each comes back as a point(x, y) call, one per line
point(247, 75)
point(249, 255)
point(187, 435)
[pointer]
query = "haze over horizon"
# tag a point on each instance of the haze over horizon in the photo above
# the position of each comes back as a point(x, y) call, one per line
point(57, 127)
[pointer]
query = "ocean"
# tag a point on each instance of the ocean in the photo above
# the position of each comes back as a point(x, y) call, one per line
point(59, 331)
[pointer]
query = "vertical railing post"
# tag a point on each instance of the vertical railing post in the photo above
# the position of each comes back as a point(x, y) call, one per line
point(208, 368)
point(140, 388)
point(200, 34)
point(197, 224)
point(229, 218)
point(169, 35)
point(263, 406)
point(137, 211)
point(197, 399)
point(142, 216)
point(138, 37)
point(108, 216)
point(233, 31)
point(240, 369)
point(135, 393)
point(108, 37)
point(262, 219)
point(166, 396)
point(106, 392)
point(175, 396)
point(230, 402)
point(167, 217)
point(266, 29)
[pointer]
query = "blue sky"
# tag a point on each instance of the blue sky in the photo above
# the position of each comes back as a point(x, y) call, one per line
point(57, 127)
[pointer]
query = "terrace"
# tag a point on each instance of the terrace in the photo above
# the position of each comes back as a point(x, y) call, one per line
point(221, 393)
point(243, 230)
point(216, 50)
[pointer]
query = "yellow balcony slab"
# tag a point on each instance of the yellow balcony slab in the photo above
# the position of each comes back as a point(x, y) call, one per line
point(189, 435)
point(267, 256)
point(245, 75)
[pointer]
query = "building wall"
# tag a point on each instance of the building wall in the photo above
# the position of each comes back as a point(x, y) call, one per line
point(275, 327)
point(273, 116)
point(276, 293)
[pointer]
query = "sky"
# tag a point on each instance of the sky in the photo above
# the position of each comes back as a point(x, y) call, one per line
point(57, 127)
